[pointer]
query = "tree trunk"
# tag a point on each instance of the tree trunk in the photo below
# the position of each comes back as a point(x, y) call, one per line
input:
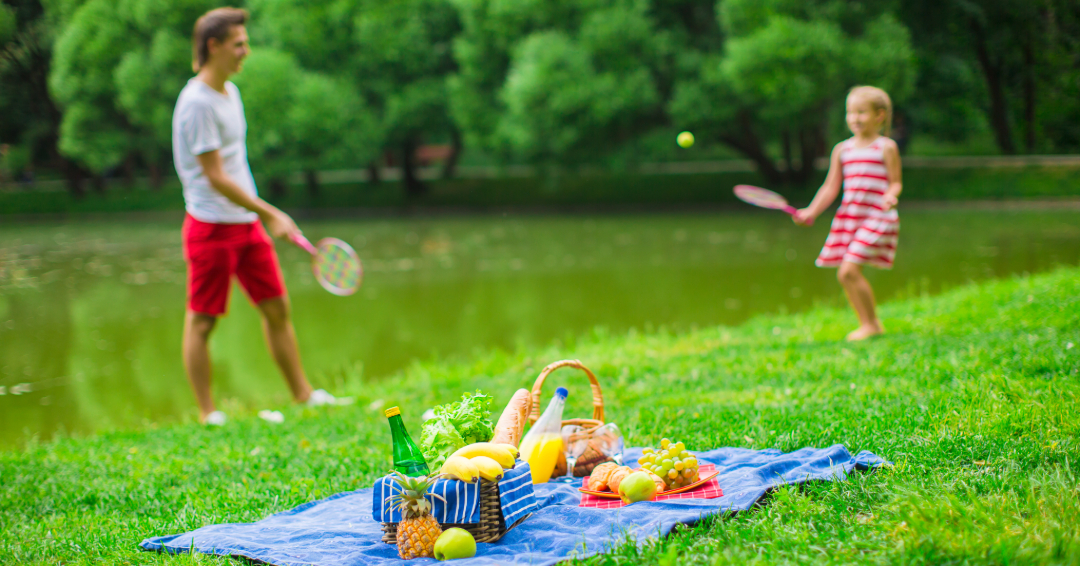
point(450, 167)
point(1029, 94)
point(992, 74)
point(785, 145)
point(373, 172)
point(129, 171)
point(809, 151)
point(75, 176)
point(414, 187)
point(97, 181)
point(277, 188)
point(154, 168)
point(311, 177)
point(750, 145)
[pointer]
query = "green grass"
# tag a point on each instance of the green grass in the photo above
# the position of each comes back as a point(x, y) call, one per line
point(973, 394)
point(567, 192)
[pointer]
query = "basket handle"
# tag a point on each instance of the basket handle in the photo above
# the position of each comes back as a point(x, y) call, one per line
point(597, 396)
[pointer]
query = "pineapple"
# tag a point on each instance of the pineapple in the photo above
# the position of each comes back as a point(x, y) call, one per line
point(418, 530)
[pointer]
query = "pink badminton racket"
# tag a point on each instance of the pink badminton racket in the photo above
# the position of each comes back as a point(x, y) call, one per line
point(335, 264)
point(764, 198)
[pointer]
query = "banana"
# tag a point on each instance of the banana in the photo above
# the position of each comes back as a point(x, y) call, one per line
point(460, 468)
point(490, 470)
point(493, 451)
point(511, 448)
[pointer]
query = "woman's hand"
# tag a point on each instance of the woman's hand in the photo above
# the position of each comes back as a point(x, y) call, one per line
point(803, 217)
point(888, 201)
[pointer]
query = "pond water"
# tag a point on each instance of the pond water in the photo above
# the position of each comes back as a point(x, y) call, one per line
point(91, 313)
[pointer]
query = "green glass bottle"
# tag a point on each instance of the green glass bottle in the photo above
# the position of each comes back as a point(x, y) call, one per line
point(407, 457)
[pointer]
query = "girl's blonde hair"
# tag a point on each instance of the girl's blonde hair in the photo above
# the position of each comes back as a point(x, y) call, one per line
point(878, 99)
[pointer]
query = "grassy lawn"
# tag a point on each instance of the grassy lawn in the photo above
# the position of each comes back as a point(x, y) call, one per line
point(568, 191)
point(973, 395)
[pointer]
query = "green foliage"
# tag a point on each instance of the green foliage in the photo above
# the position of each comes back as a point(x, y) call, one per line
point(785, 70)
point(117, 70)
point(560, 81)
point(301, 120)
point(267, 87)
point(148, 80)
point(82, 83)
point(383, 69)
point(971, 395)
point(803, 75)
point(571, 98)
point(8, 23)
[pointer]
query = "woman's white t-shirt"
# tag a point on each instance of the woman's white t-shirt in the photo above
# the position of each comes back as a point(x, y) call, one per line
point(204, 120)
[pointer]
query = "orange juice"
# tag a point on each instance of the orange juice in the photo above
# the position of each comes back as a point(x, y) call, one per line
point(541, 452)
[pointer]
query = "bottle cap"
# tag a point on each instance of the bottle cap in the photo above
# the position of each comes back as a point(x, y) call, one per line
point(392, 411)
point(562, 392)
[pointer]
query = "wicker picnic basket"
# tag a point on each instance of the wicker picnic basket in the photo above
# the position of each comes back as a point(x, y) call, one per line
point(593, 455)
point(491, 526)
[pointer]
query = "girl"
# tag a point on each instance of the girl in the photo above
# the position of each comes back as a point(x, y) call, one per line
point(865, 228)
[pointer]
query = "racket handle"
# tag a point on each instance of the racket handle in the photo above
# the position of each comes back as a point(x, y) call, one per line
point(303, 242)
point(792, 210)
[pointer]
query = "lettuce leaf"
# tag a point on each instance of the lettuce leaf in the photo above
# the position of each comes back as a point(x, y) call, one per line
point(456, 425)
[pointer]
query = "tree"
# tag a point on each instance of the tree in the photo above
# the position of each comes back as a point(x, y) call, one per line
point(117, 70)
point(301, 120)
point(784, 69)
point(31, 120)
point(570, 97)
point(575, 80)
point(396, 55)
point(554, 80)
point(1024, 55)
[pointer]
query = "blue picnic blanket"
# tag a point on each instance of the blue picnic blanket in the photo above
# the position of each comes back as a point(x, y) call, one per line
point(459, 502)
point(339, 530)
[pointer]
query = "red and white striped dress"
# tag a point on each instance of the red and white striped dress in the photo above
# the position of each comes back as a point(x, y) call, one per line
point(861, 233)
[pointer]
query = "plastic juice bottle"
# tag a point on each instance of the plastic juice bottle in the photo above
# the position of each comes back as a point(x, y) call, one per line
point(407, 457)
point(541, 446)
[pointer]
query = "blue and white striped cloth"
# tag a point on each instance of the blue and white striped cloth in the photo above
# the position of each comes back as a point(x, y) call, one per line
point(462, 499)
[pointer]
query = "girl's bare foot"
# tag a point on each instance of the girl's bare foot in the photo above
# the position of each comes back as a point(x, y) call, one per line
point(865, 331)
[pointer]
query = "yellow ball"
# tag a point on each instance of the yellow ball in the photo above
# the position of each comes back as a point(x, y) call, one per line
point(685, 139)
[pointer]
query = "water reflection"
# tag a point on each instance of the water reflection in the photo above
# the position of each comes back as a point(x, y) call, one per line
point(91, 314)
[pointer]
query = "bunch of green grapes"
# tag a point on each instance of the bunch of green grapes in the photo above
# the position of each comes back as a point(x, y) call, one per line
point(672, 463)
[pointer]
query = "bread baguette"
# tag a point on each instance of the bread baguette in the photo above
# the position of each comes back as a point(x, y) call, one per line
point(512, 421)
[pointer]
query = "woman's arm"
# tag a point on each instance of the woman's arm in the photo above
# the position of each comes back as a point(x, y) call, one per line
point(892, 168)
point(277, 222)
point(825, 196)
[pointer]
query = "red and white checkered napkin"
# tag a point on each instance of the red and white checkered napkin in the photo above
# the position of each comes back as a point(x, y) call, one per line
point(708, 490)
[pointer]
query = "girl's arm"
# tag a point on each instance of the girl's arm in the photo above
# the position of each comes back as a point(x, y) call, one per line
point(892, 168)
point(825, 196)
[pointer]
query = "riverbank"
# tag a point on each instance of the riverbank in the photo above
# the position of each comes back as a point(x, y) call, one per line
point(665, 188)
point(973, 395)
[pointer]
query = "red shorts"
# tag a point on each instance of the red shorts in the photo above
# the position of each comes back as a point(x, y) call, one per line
point(216, 252)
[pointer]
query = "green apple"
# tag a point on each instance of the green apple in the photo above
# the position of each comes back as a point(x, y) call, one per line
point(455, 543)
point(637, 486)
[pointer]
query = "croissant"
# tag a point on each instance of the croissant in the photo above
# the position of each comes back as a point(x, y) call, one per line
point(598, 480)
point(617, 477)
point(660, 485)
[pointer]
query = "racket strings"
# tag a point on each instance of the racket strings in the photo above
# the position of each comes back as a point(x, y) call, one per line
point(337, 267)
point(760, 197)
